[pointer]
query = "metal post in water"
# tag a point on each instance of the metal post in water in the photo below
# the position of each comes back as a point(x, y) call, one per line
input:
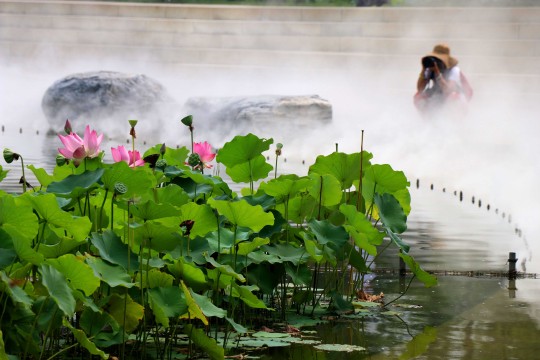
point(512, 265)
point(402, 269)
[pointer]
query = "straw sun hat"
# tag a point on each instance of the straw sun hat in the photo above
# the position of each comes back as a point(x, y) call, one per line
point(442, 52)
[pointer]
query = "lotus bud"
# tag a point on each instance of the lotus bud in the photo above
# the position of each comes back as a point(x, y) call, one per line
point(162, 149)
point(9, 156)
point(67, 127)
point(279, 146)
point(120, 188)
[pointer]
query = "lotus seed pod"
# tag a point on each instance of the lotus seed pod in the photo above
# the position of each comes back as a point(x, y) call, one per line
point(120, 188)
point(161, 163)
point(194, 160)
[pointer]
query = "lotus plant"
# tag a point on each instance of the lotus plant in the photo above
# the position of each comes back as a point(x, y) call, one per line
point(78, 149)
point(133, 158)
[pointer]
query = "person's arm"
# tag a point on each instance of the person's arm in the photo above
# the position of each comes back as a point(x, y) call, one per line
point(447, 85)
point(422, 81)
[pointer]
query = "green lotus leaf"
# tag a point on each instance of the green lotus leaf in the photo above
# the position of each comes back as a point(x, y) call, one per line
point(205, 343)
point(18, 220)
point(398, 241)
point(8, 255)
point(391, 213)
point(16, 293)
point(344, 167)
point(215, 183)
point(325, 189)
point(261, 343)
point(56, 285)
point(355, 258)
point(63, 246)
point(137, 180)
point(383, 179)
point(287, 252)
point(250, 171)
point(149, 210)
point(111, 274)
point(266, 276)
point(84, 341)
point(102, 328)
point(155, 278)
point(172, 194)
point(299, 208)
point(225, 269)
point(125, 311)
point(223, 239)
point(247, 247)
point(327, 233)
point(246, 295)
point(48, 210)
point(240, 213)
point(192, 188)
point(300, 274)
point(192, 275)
point(267, 202)
point(208, 308)
point(426, 278)
point(79, 275)
point(112, 249)
point(339, 347)
point(76, 185)
point(284, 186)
point(166, 303)
point(3, 173)
point(365, 235)
point(313, 250)
point(204, 219)
point(242, 149)
point(270, 335)
point(159, 235)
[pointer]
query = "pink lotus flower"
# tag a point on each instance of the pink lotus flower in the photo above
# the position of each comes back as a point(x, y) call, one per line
point(204, 150)
point(77, 149)
point(133, 158)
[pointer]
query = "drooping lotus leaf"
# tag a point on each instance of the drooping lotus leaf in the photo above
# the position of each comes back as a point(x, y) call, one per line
point(245, 293)
point(365, 235)
point(63, 246)
point(205, 343)
point(344, 167)
point(313, 249)
point(328, 234)
point(204, 219)
point(113, 275)
point(84, 341)
point(241, 213)
point(125, 311)
point(267, 202)
point(285, 186)
point(137, 181)
point(192, 188)
point(265, 275)
point(391, 213)
point(398, 241)
point(426, 278)
point(241, 149)
point(79, 275)
point(325, 189)
point(287, 252)
point(250, 171)
point(112, 249)
point(76, 185)
point(208, 308)
point(49, 211)
point(59, 291)
point(166, 303)
point(16, 293)
point(223, 239)
point(355, 258)
point(194, 311)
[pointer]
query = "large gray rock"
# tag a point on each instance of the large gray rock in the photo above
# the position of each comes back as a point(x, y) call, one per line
point(105, 100)
point(260, 113)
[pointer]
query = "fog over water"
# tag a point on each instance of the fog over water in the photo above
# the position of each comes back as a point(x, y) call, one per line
point(491, 154)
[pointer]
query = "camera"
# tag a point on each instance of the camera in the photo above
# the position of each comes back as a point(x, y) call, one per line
point(430, 61)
